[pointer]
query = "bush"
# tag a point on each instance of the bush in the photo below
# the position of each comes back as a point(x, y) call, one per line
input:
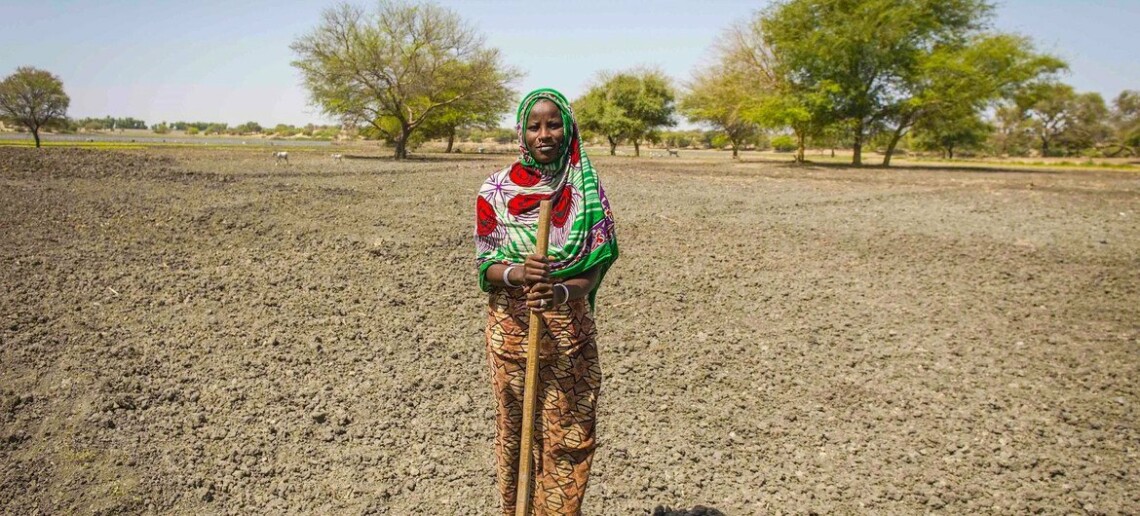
point(784, 143)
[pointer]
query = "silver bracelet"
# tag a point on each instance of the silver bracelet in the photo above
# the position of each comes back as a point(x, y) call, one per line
point(507, 281)
point(565, 292)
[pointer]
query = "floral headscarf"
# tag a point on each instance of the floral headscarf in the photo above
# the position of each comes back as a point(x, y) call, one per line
point(581, 223)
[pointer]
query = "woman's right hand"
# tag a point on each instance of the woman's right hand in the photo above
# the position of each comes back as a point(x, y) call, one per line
point(536, 270)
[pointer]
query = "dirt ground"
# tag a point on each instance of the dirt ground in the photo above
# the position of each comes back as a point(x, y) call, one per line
point(203, 332)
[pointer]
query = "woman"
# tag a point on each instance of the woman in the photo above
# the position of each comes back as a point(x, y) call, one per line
point(561, 287)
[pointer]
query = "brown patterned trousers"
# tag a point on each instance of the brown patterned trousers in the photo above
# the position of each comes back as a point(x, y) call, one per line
point(569, 384)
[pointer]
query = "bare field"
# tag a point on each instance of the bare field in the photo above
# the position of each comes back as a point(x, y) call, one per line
point(187, 331)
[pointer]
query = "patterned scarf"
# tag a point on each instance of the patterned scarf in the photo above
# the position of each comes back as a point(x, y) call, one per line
point(581, 224)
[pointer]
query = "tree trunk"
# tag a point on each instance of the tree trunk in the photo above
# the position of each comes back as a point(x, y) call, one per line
point(801, 145)
point(402, 143)
point(950, 151)
point(894, 143)
point(613, 146)
point(735, 148)
point(450, 140)
point(857, 148)
point(36, 135)
point(637, 148)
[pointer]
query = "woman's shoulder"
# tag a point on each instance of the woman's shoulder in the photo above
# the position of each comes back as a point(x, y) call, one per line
point(499, 176)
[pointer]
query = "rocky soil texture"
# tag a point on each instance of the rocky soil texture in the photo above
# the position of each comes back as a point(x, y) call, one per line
point(202, 332)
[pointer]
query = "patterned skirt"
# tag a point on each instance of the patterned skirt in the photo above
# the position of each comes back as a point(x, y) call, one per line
point(569, 384)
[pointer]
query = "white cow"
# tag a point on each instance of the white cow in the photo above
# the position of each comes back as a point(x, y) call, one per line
point(338, 157)
point(280, 156)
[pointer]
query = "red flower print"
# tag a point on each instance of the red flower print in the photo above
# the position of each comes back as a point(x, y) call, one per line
point(523, 176)
point(485, 221)
point(561, 210)
point(523, 203)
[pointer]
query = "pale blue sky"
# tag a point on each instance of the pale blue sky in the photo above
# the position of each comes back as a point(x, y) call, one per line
point(228, 61)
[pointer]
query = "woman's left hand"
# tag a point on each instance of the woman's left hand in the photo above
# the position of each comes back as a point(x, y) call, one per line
point(540, 297)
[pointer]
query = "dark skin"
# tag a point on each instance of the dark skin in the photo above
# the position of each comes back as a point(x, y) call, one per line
point(544, 137)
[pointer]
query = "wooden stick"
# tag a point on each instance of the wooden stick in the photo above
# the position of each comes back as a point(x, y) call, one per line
point(530, 398)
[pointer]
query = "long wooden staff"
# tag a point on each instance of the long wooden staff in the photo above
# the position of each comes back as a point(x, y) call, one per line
point(524, 486)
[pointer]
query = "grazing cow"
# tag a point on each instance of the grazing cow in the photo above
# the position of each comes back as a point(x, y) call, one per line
point(673, 152)
point(338, 157)
point(280, 156)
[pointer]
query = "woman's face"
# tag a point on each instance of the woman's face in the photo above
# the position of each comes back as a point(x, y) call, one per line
point(544, 131)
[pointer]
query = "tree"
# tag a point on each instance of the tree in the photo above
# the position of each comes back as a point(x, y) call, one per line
point(1044, 108)
point(248, 128)
point(482, 112)
point(720, 98)
point(627, 106)
point(34, 99)
point(1088, 124)
point(597, 115)
point(946, 134)
point(776, 97)
point(866, 56)
point(957, 82)
point(1126, 122)
point(397, 67)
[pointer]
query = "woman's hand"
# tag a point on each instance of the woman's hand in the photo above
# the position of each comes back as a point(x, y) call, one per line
point(536, 269)
point(537, 283)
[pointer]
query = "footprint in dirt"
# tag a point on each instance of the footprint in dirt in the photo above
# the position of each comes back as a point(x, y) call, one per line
point(697, 510)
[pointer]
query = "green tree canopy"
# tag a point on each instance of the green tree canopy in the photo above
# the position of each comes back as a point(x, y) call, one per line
point(722, 94)
point(481, 112)
point(947, 134)
point(396, 67)
point(1126, 121)
point(888, 63)
point(34, 99)
point(721, 100)
point(627, 105)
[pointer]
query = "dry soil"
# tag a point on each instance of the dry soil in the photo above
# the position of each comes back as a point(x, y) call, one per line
point(203, 332)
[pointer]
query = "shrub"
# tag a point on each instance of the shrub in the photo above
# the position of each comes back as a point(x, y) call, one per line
point(783, 143)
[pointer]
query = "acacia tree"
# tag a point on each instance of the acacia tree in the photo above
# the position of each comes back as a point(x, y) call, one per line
point(1126, 123)
point(627, 106)
point(484, 114)
point(956, 82)
point(721, 99)
point(947, 134)
point(33, 98)
point(867, 52)
point(1088, 126)
point(598, 115)
point(394, 68)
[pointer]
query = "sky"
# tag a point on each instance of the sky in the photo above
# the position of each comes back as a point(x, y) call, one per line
point(229, 61)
